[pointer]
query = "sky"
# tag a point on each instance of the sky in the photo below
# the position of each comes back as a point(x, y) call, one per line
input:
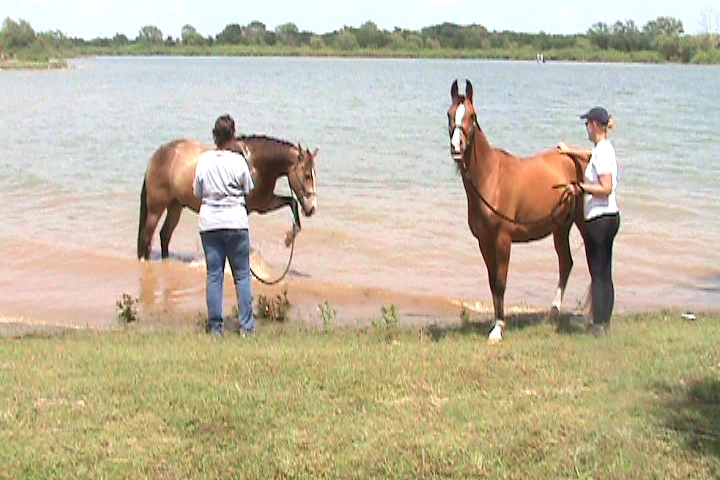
point(90, 19)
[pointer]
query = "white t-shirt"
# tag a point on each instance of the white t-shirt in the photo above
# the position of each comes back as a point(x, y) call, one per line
point(602, 161)
point(222, 179)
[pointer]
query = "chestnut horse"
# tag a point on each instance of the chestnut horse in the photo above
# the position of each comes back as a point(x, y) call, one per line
point(171, 171)
point(512, 200)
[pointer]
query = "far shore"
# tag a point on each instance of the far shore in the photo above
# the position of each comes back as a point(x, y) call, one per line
point(14, 64)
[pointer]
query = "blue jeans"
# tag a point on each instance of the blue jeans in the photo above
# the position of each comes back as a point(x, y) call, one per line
point(233, 245)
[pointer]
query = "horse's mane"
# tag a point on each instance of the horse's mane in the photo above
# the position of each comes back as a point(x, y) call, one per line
point(268, 147)
point(266, 138)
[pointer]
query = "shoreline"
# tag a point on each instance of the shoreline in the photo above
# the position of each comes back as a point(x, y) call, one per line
point(355, 307)
point(634, 58)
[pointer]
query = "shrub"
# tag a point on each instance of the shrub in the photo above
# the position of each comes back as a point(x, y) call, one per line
point(327, 313)
point(127, 309)
point(274, 309)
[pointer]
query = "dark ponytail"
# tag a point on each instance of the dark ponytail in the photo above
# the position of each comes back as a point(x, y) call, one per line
point(224, 130)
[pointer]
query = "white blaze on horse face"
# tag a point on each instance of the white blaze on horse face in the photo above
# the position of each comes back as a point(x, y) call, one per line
point(314, 189)
point(459, 116)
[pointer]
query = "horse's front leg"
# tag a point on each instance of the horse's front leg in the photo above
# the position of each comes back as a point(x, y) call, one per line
point(275, 202)
point(497, 258)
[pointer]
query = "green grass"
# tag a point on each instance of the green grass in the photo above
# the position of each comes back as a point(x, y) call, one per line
point(292, 403)
point(32, 64)
point(520, 53)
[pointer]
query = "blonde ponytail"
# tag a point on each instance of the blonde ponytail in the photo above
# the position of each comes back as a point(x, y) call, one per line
point(611, 123)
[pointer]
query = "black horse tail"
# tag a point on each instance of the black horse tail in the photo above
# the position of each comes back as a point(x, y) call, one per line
point(141, 247)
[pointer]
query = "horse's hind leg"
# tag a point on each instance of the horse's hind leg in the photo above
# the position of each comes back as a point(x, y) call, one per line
point(561, 238)
point(171, 220)
point(145, 237)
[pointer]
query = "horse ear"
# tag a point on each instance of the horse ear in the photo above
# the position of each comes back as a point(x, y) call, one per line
point(314, 153)
point(454, 91)
point(468, 90)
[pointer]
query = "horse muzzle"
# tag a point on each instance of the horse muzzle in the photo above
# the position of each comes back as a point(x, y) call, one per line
point(309, 205)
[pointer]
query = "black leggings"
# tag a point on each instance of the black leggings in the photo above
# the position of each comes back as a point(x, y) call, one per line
point(601, 233)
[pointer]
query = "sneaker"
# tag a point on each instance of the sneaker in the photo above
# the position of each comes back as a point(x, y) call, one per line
point(246, 333)
point(215, 332)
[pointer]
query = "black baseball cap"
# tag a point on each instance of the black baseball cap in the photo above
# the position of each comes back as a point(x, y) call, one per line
point(599, 114)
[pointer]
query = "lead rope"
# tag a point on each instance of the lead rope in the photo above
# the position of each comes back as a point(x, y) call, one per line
point(287, 268)
point(295, 225)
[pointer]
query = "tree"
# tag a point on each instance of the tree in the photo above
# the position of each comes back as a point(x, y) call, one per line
point(53, 39)
point(287, 34)
point(668, 45)
point(14, 35)
point(255, 33)
point(369, 36)
point(150, 34)
point(599, 34)
point(626, 36)
point(664, 26)
point(447, 34)
point(120, 39)
point(474, 36)
point(346, 40)
point(190, 36)
point(710, 37)
point(316, 42)
point(231, 35)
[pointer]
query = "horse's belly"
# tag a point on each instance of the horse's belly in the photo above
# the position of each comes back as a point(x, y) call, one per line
point(530, 235)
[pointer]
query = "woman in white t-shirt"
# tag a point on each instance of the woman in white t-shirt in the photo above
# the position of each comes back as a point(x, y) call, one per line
point(222, 181)
point(602, 214)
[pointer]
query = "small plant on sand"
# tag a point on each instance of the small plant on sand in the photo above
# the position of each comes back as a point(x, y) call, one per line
point(389, 323)
point(127, 309)
point(328, 314)
point(201, 322)
point(274, 309)
point(390, 316)
point(464, 317)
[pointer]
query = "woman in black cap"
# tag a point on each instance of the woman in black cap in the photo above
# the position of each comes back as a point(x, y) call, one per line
point(602, 214)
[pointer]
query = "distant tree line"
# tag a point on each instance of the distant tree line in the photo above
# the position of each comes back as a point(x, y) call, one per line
point(664, 37)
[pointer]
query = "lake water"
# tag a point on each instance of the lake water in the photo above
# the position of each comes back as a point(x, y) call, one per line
point(74, 145)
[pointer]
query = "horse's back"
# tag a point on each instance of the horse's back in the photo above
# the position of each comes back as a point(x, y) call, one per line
point(549, 166)
point(527, 191)
point(171, 170)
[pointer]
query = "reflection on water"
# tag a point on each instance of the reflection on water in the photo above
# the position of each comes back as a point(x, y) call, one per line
point(166, 286)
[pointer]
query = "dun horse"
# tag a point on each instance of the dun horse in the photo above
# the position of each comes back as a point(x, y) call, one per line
point(512, 200)
point(171, 170)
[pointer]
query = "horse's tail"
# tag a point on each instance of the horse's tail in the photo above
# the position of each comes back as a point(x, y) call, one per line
point(141, 247)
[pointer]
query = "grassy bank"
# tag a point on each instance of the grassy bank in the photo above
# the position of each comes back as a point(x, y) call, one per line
point(575, 54)
point(526, 53)
point(20, 64)
point(642, 403)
